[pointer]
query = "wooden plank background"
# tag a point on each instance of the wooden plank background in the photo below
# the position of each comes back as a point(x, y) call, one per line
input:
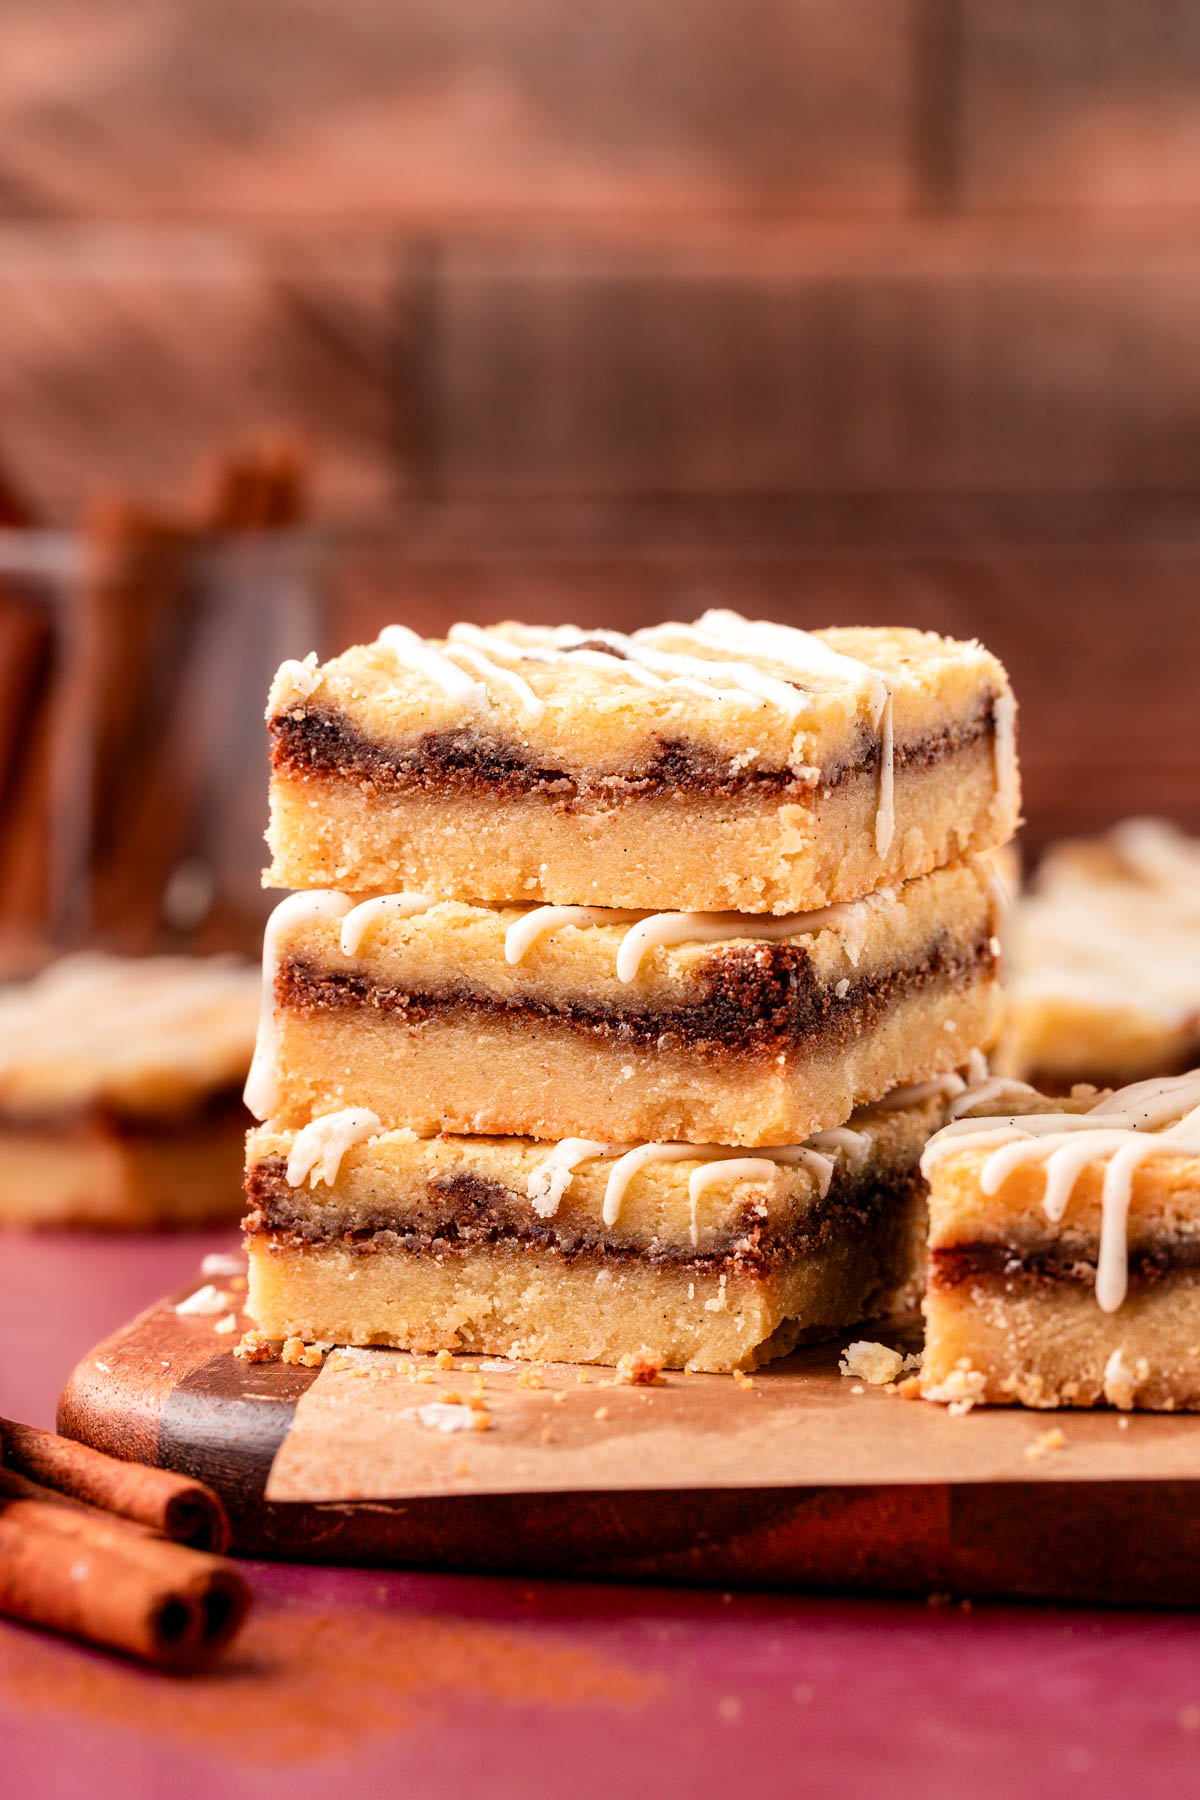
point(882, 309)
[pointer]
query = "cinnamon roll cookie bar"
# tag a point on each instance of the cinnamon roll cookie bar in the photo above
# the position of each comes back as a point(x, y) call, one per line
point(1103, 980)
point(120, 1091)
point(1064, 1248)
point(720, 765)
point(584, 1251)
point(560, 1021)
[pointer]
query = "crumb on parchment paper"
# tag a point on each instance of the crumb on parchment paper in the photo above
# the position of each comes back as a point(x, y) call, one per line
point(875, 1363)
point(638, 1370)
point(450, 1415)
point(1054, 1439)
point(1122, 1381)
point(963, 1388)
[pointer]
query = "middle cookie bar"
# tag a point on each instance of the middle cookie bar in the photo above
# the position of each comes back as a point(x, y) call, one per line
point(554, 1022)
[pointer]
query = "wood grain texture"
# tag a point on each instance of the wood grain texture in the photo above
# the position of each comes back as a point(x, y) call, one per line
point(953, 359)
point(1091, 605)
point(418, 108)
point(1083, 104)
point(131, 360)
point(158, 1390)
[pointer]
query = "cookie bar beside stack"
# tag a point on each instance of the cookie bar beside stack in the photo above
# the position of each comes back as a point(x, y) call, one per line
point(1064, 1248)
point(120, 1091)
point(527, 1084)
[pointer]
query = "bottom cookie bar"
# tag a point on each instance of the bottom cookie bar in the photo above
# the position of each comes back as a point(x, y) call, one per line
point(583, 1252)
point(1064, 1250)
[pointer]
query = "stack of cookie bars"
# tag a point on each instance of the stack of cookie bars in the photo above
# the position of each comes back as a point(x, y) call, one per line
point(615, 1006)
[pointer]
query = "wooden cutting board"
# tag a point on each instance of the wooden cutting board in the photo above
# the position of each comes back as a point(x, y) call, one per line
point(803, 1478)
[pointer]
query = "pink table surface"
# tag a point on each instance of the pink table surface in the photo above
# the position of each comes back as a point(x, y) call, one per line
point(375, 1683)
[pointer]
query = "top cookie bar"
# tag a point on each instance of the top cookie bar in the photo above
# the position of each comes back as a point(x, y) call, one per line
point(720, 765)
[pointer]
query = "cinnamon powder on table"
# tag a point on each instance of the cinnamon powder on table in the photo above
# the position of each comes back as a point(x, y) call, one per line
point(303, 1684)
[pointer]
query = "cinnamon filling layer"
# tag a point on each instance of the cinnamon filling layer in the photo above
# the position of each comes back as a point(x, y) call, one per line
point(323, 742)
point(461, 1214)
point(1054, 1265)
point(750, 998)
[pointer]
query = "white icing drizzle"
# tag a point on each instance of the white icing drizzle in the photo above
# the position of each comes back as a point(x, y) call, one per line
point(985, 870)
point(982, 1093)
point(1004, 741)
point(943, 1087)
point(473, 646)
point(747, 680)
point(262, 1091)
point(733, 1168)
point(550, 1179)
point(628, 1165)
point(305, 676)
point(851, 918)
point(318, 1149)
point(1151, 1118)
point(855, 1146)
point(544, 921)
point(412, 652)
point(885, 816)
point(808, 655)
point(507, 651)
point(693, 674)
point(715, 1160)
point(360, 918)
point(963, 1091)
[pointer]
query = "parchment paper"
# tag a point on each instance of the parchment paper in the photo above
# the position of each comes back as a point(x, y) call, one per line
point(357, 1436)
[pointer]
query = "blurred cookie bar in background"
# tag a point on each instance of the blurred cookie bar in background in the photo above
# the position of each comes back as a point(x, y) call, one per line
point(120, 1091)
point(1103, 976)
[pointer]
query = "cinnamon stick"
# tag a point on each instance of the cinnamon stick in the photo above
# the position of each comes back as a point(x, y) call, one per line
point(178, 1508)
point(73, 1569)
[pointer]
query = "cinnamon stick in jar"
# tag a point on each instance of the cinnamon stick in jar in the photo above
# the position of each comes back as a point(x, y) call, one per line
point(72, 1569)
point(183, 1510)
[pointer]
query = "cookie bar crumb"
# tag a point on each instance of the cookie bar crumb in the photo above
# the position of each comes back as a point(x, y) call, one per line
point(638, 1370)
point(254, 1347)
point(868, 1361)
point(1045, 1442)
